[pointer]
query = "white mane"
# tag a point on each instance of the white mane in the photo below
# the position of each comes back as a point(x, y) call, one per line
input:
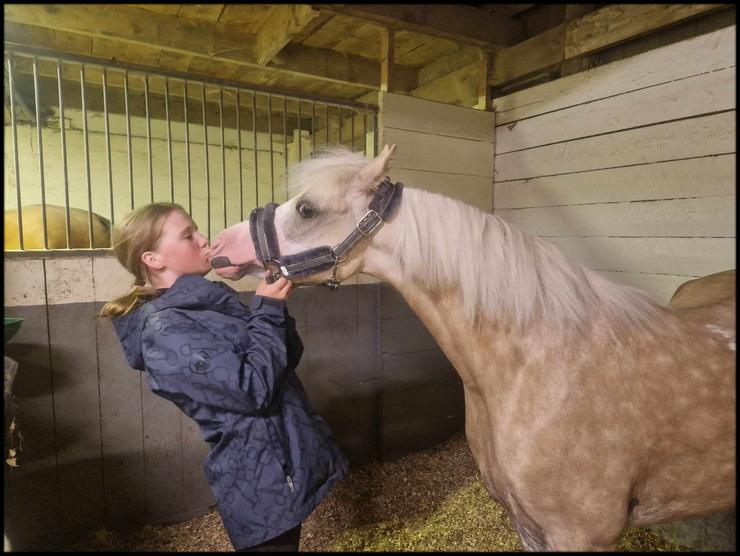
point(504, 274)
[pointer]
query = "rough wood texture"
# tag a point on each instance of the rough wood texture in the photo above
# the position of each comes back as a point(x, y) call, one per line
point(283, 22)
point(612, 24)
point(629, 168)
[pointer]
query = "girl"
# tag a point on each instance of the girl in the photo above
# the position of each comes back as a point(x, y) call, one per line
point(232, 370)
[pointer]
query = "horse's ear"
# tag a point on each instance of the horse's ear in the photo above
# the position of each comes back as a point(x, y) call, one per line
point(373, 173)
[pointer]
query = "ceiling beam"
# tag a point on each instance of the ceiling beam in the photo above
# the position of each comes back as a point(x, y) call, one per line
point(606, 27)
point(458, 22)
point(220, 42)
point(283, 22)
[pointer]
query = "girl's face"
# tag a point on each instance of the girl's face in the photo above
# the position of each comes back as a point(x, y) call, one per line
point(181, 248)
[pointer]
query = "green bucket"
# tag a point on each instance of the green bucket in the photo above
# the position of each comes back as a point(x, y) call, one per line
point(12, 325)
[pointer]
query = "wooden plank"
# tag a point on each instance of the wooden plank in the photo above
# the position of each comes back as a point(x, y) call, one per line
point(35, 478)
point(698, 217)
point(163, 464)
point(459, 88)
point(459, 22)
point(387, 59)
point(696, 177)
point(420, 417)
point(392, 304)
point(436, 153)
point(404, 335)
point(692, 96)
point(695, 137)
point(282, 23)
point(24, 282)
point(674, 256)
point(76, 412)
point(701, 54)
point(425, 116)
point(472, 190)
point(484, 91)
point(121, 429)
point(616, 23)
point(407, 370)
point(533, 55)
point(660, 287)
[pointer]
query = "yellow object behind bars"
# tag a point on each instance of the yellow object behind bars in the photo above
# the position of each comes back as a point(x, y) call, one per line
point(33, 234)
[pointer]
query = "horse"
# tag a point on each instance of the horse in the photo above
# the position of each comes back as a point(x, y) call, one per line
point(589, 407)
point(56, 228)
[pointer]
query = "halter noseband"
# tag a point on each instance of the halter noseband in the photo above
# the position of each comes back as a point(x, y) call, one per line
point(311, 261)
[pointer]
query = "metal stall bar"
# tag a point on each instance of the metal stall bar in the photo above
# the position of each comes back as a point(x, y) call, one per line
point(148, 137)
point(327, 125)
point(187, 145)
point(364, 134)
point(63, 139)
point(340, 126)
point(313, 128)
point(239, 148)
point(223, 147)
point(107, 147)
point(15, 151)
point(285, 145)
point(87, 156)
point(353, 129)
point(254, 129)
point(269, 132)
point(41, 150)
point(128, 138)
point(169, 136)
point(300, 153)
point(208, 175)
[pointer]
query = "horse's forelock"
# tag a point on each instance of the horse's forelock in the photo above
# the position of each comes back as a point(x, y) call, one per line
point(331, 170)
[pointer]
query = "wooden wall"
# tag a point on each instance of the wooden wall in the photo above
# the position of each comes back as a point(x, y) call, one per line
point(440, 148)
point(449, 150)
point(100, 450)
point(628, 167)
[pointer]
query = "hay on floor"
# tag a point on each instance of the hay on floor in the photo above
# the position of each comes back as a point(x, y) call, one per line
point(431, 500)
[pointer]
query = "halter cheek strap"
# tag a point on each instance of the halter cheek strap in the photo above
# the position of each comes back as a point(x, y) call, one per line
point(262, 229)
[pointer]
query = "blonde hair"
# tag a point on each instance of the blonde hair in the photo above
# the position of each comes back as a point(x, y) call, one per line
point(139, 232)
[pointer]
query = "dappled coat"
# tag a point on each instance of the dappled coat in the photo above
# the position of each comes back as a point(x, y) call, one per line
point(232, 369)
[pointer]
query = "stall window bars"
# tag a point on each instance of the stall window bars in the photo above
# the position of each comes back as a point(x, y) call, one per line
point(87, 142)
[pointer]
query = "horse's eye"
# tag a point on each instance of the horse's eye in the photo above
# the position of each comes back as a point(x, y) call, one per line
point(305, 210)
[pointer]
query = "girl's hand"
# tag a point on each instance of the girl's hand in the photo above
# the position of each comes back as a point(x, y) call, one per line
point(279, 290)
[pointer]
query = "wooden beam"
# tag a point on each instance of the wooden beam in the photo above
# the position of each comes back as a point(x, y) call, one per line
point(283, 22)
point(219, 42)
point(603, 28)
point(387, 53)
point(459, 87)
point(484, 89)
point(459, 22)
point(536, 54)
point(617, 23)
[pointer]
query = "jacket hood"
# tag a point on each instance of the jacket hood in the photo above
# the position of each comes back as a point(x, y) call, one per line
point(188, 292)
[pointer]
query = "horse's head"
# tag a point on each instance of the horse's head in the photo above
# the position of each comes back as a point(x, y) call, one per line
point(327, 220)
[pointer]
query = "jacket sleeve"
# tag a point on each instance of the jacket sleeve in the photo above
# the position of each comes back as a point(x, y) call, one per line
point(186, 356)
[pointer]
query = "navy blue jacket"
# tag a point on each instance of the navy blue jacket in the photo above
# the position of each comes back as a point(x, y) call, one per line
point(232, 370)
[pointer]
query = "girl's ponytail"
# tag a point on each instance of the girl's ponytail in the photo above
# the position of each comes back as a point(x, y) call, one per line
point(128, 302)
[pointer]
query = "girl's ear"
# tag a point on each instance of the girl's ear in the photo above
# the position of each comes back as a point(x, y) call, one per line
point(374, 171)
point(152, 260)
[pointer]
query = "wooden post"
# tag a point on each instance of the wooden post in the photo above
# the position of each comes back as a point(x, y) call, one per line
point(387, 48)
point(484, 89)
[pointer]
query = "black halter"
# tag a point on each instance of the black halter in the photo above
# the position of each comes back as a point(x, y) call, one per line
point(311, 261)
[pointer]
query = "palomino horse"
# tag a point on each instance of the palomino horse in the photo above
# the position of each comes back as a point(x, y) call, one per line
point(56, 228)
point(588, 407)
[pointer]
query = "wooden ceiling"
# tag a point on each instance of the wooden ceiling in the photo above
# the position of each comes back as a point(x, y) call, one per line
point(452, 53)
point(331, 50)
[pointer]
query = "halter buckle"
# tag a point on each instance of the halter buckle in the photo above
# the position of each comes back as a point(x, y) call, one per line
point(371, 219)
